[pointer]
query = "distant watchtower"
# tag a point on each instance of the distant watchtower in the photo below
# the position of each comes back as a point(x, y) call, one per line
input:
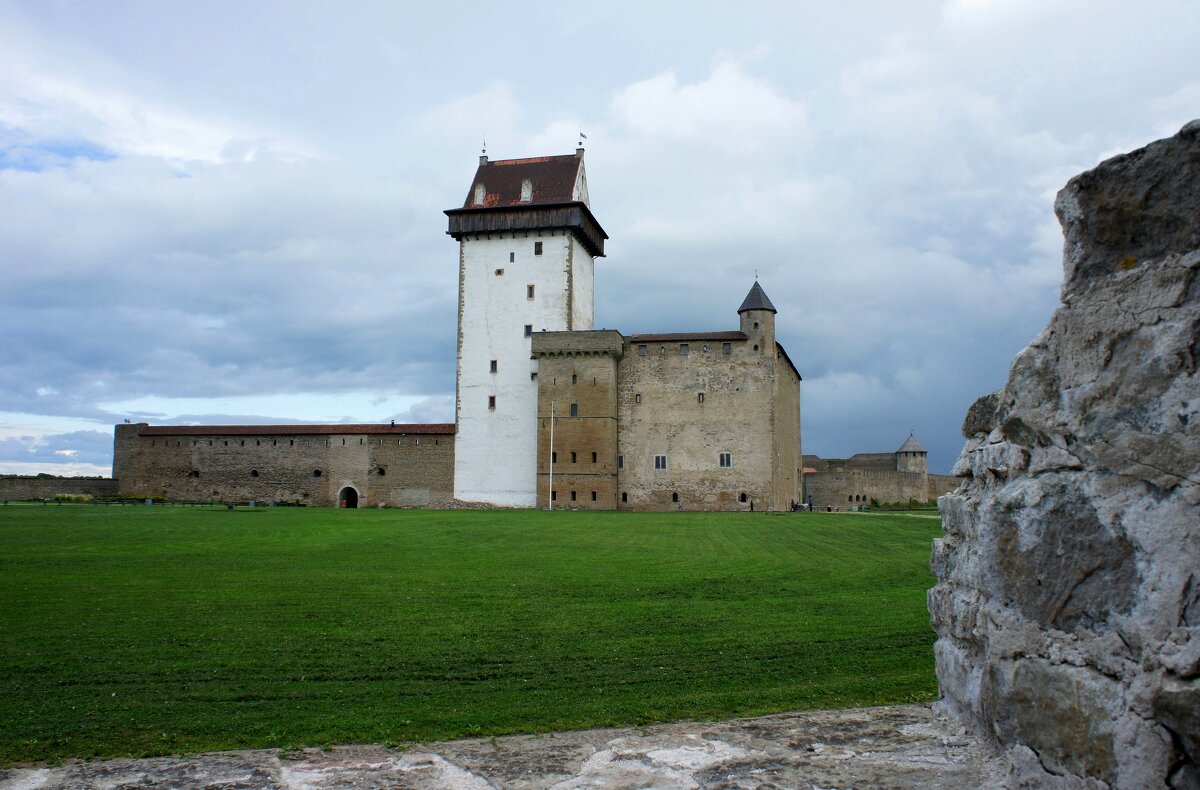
point(912, 457)
point(527, 244)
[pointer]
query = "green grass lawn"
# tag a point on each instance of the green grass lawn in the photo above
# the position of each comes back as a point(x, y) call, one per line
point(136, 630)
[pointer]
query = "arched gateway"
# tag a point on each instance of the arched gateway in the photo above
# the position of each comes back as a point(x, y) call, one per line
point(348, 497)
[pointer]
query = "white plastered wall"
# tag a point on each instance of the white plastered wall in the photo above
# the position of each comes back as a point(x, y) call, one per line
point(495, 449)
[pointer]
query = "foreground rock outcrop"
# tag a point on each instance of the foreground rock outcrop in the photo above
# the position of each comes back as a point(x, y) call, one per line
point(1068, 597)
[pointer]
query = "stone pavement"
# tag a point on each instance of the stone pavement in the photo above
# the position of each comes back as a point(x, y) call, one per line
point(890, 747)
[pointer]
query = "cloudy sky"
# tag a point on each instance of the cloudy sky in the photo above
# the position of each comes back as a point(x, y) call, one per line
point(231, 212)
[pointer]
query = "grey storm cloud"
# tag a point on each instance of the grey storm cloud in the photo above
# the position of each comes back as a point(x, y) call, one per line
point(199, 211)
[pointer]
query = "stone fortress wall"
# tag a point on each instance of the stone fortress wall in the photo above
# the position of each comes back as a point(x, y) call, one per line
point(15, 488)
point(854, 482)
point(396, 465)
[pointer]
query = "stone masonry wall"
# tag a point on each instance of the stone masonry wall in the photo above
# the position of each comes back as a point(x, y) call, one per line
point(19, 487)
point(1068, 598)
point(659, 412)
point(383, 468)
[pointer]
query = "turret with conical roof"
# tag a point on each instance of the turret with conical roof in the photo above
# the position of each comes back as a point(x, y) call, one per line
point(912, 457)
point(757, 316)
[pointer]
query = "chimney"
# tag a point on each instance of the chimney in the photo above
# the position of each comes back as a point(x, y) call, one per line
point(579, 151)
point(483, 159)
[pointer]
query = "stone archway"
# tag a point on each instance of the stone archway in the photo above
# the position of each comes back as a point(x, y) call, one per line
point(348, 497)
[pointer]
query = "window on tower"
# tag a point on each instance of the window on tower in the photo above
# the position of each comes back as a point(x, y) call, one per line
point(537, 248)
point(529, 292)
point(512, 257)
point(529, 330)
point(491, 401)
point(574, 409)
point(493, 366)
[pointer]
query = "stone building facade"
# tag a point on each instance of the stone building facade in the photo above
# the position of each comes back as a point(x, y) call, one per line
point(854, 482)
point(324, 465)
point(692, 421)
point(688, 421)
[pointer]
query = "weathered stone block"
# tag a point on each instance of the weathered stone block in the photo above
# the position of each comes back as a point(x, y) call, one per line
point(1067, 604)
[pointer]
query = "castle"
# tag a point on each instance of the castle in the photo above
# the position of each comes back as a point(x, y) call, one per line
point(549, 412)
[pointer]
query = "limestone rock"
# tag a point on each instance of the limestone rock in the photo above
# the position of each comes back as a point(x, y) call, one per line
point(1068, 598)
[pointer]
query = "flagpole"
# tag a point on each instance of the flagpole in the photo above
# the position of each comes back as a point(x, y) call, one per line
point(550, 493)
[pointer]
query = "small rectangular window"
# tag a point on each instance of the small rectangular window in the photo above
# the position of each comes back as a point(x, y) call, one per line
point(554, 457)
point(537, 248)
point(660, 462)
point(624, 497)
point(491, 401)
point(683, 349)
point(574, 409)
point(594, 457)
point(572, 496)
point(725, 460)
point(641, 351)
point(700, 397)
point(529, 330)
point(620, 462)
point(529, 292)
point(553, 496)
point(574, 379)
point(637, 398)
point(499, 272)
point(726, 348)
point(593, 496)
point(512, 257)
point(572, 457)
point(493, 366)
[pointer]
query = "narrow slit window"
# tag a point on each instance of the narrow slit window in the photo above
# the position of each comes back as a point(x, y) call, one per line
point(493, 366)
point(594, 457)
point(537, 248)
point(529, 292)
point(491, 401)
point(572, 457)
point(620, 462)
point(572, 496)
point(512, 257)
point(593, 496)
point(700, 397)
point(574, 409)
point(529, 330)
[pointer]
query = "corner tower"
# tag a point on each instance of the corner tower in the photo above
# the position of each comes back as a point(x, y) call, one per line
point(527, 243)
point(912, 457)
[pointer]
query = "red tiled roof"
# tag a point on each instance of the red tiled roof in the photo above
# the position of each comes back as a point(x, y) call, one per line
point(553, 179)
point(295, 430)
point(673, 336)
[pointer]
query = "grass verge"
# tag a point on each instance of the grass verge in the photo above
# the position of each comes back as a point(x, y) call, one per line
point(140, 631)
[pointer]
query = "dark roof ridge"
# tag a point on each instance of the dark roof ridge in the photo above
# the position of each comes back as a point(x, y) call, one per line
point(296, 430)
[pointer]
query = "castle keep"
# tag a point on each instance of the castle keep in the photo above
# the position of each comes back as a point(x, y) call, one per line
point(548, 410)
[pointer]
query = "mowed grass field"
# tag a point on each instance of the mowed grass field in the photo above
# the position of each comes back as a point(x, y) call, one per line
point(152, 630)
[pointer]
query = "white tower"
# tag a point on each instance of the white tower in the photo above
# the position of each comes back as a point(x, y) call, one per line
point(527, 242)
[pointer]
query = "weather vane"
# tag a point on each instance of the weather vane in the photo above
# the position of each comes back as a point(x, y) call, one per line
point(582, 137)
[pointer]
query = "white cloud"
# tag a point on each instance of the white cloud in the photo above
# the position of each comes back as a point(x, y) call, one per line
point(729, 109)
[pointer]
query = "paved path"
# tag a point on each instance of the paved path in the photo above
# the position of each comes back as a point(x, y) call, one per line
point(892, 747)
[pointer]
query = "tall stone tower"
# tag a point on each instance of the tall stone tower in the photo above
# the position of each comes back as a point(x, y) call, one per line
point(527, 243)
